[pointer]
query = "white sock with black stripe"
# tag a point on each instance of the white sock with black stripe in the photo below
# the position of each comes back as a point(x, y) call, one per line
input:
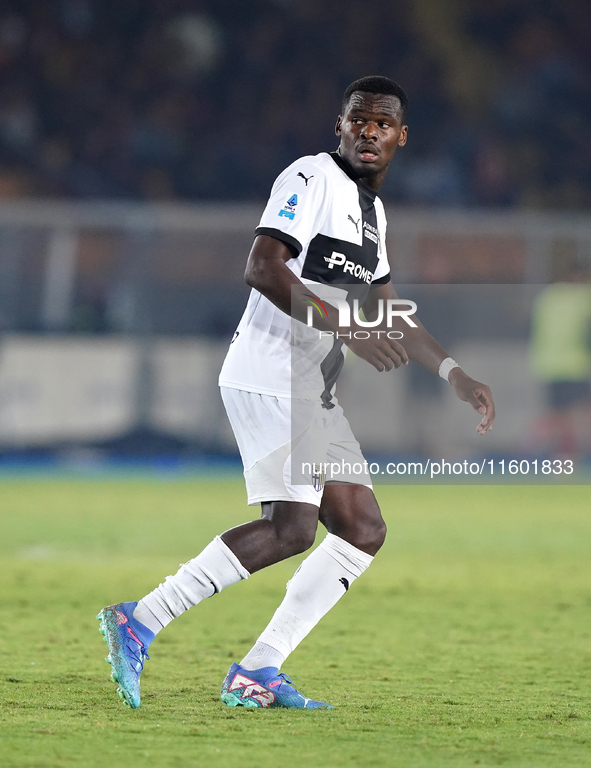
point(320, 581)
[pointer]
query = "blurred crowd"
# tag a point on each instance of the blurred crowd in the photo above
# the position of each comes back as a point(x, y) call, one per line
point(204, 99)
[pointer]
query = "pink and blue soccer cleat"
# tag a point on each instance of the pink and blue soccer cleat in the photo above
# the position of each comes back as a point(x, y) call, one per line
point(265, 687)
point(128, 641)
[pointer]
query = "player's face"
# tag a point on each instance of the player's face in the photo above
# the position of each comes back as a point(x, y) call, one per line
point(370, 130)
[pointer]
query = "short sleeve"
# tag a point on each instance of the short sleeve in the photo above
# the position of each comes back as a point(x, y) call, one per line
point(297, 205)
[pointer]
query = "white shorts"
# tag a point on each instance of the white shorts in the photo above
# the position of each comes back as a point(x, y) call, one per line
point(290, 448)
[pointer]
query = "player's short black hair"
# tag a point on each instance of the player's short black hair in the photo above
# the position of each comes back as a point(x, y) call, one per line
point(376, 84)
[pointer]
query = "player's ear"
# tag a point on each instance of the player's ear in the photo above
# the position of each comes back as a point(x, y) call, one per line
point(337, 128)
point(403, 136)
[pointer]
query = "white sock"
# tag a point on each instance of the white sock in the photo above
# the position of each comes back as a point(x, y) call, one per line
point(207, 574)
point(262, 655)
point(320, 581)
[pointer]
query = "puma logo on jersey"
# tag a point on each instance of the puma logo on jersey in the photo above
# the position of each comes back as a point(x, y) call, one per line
point(354, 222)
point(340, 260)
point(306, 179)
point(252, 690)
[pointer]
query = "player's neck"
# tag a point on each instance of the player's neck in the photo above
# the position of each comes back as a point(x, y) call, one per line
point(373, 182)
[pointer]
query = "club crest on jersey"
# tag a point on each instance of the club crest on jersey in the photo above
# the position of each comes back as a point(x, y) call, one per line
point(289, 209)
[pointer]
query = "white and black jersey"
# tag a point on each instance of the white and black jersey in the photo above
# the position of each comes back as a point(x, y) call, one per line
point(335, 228)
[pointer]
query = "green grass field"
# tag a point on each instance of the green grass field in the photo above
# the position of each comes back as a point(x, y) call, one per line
point(467, 643)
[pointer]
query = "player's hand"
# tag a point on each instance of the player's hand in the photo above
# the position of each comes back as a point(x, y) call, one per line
point(478, 395)
point(381, 352)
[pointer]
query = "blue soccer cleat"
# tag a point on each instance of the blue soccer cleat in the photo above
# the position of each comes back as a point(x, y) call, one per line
point(128, 641)
point(265, 687)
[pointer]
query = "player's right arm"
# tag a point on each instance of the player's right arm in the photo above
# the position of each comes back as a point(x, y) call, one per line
point(267, 272)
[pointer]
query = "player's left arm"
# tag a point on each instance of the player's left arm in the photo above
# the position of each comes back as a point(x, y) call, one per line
point(423, 349)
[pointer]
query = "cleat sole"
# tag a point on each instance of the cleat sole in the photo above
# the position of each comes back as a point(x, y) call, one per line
point(231, 700)
point(127, 697)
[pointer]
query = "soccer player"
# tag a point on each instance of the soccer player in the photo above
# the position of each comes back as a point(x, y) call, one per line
point(323, 229)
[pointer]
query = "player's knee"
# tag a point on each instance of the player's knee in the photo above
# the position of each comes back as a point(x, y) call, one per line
point(300, 541)
point(379, 534)
point(297, 539)
point(368, 535)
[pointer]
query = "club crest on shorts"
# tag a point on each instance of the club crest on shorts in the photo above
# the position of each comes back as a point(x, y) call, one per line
point(318, 476)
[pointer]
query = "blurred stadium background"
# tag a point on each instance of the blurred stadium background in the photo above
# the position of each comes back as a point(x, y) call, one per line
point(139, 140)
